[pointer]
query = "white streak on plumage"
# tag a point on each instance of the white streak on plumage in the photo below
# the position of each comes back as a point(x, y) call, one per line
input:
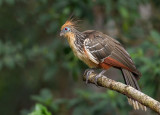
point(91, 57)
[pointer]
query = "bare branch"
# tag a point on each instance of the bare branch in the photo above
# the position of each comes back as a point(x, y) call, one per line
point(126, 90)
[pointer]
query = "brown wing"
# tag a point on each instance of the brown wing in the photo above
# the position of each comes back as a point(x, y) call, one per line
point(96, 46)
point(103, 49)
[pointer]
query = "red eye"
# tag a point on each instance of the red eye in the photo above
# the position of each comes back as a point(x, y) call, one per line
point(66, 28)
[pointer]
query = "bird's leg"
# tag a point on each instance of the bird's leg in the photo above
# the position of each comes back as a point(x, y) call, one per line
point(87, 73)
point(98, 76)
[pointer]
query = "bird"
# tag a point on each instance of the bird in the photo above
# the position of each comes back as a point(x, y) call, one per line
point(100, 51)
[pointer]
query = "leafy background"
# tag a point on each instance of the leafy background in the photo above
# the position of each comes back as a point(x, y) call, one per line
point(39, 74)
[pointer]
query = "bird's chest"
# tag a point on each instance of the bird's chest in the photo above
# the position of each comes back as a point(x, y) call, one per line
point(79, 52)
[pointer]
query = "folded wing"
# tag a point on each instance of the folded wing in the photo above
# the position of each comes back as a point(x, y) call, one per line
point(103, 49)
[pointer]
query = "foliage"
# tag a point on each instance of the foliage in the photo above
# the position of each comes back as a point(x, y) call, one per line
point(85, 102)
point(40, 110)
point(36, 66)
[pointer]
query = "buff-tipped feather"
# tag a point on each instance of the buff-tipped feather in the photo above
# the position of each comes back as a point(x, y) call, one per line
point(136, 105)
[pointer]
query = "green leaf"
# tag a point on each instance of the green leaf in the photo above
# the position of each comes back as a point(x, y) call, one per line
point(124, 12)
point(40, 110)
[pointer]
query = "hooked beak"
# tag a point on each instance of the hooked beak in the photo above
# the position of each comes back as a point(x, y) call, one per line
point(61, 33)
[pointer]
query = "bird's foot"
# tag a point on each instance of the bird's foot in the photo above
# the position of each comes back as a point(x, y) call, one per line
point(90, 71)
point(98, 76)
point(87, 74)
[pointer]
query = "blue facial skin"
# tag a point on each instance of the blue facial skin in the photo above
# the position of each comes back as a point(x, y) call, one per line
point(66, 29)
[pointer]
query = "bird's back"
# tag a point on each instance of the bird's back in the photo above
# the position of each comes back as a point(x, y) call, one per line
point(109, 47)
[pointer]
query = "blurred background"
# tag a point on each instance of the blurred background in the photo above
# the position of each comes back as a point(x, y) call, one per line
point(39, 74)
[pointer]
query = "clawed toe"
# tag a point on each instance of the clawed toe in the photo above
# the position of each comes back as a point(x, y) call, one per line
point(96, 79)
point(87, 74)
point(90, 71)
point(98, 76)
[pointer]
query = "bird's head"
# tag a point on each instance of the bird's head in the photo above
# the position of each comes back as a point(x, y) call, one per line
point(67, 29)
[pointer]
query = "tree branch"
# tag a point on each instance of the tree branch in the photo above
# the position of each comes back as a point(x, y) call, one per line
point(126, 90)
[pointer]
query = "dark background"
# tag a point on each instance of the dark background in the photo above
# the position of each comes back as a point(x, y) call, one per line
point(38, 71)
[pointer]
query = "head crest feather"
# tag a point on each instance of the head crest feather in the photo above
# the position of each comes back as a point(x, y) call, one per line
point(70, 22)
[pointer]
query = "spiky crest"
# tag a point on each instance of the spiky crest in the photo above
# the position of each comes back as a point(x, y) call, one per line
point(68, 23)
point(72, 22)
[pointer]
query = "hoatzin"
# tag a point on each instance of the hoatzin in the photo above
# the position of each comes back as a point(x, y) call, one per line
point(98, 50)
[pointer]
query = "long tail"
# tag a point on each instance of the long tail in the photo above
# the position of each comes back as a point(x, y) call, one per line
point(129, 79)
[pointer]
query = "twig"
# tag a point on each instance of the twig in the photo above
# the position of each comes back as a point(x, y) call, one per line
point(126, 90)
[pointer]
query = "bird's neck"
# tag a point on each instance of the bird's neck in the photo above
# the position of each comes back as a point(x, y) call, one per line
point(77, 39)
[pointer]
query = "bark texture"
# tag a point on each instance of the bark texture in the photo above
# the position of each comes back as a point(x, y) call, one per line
point(126, 90)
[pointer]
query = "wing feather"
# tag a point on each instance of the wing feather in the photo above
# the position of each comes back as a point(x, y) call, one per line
point(100, 47)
